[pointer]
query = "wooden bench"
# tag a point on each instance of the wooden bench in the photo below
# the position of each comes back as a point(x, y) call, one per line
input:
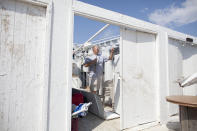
point(187, 111)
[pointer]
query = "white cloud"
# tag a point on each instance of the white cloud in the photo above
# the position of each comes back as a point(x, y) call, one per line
point(174, 15)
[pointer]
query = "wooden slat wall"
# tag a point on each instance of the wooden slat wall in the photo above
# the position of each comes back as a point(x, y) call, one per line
point(22, 43)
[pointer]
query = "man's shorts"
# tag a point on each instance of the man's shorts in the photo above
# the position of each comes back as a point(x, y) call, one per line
point(95, 84)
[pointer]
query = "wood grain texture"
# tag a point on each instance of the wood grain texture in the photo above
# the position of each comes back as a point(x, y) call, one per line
point(188, 118)
point(190, 101)
point(192, 115)
point(22, 43)
point(184, 122)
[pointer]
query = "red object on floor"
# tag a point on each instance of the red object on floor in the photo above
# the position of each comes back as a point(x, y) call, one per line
point(77, 99)
point(74, 124)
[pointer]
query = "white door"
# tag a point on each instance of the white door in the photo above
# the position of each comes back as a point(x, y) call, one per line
point(138, 92)
point(22, 49)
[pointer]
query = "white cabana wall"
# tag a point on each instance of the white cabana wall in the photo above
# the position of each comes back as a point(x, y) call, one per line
point(175, 71)
point(35, 65)
point(23, 37)
point(182, 63)
point(36, 62)
point(189, 67)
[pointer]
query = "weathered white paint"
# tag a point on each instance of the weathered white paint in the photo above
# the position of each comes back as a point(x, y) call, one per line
point(22, 59)
point(61, 67)
point(30, 65)
point(189, 67)
point(162, 75)
point(175, 65)
point(138, 88)
point(185, 62)
point(47, 67)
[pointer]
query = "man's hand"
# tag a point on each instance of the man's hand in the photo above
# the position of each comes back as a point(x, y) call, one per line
point(112, 50)
point(111, 54)
point(94, 61)
point(91, 63)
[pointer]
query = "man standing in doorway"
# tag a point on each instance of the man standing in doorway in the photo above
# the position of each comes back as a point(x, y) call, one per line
point(96, 68)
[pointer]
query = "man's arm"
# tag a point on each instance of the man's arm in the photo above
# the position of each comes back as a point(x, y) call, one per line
point(111, 54)
point(90, 63)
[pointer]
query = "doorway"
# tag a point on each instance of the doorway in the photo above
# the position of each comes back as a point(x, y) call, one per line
point(104, 111)
point(131, 73)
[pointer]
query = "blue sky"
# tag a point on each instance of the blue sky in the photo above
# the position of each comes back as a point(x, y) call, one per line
point(179, 15)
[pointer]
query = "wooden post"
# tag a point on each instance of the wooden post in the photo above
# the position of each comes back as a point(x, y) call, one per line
point(188, 118)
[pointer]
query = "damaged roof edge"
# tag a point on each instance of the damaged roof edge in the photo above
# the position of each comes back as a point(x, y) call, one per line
point(111, 17)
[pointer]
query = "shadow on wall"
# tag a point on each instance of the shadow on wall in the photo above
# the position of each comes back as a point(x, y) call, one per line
point(117, 94)
point(139, 37)
point(187, 51)
point(175, 126)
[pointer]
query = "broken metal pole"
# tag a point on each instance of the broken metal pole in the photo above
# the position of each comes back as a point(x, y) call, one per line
point(98, 32)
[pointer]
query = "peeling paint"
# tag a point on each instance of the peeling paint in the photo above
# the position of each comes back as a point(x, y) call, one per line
point(16, 50)
point(5, 22)
point(21, 66)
